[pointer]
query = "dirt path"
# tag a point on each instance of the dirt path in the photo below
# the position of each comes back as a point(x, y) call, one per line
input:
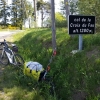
point(8, 34)
point(5, 37)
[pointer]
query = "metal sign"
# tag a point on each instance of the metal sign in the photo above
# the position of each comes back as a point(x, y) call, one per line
point(81, 24)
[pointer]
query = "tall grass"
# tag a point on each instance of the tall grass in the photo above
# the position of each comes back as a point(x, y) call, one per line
point(76, 77)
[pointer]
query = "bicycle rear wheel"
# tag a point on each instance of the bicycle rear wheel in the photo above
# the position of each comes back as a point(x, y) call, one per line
point(3, 57)
point(19, 61)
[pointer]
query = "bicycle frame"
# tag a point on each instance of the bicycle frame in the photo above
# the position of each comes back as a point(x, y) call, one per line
point(10, 55)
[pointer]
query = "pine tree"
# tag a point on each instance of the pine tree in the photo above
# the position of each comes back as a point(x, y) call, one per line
point(4, 12)
point(44, 7)
point(21, 9)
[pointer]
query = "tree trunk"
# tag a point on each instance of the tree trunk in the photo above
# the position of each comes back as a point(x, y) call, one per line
point(67, 12)
point(67, 8)
point(41, 17)
point(35, 13)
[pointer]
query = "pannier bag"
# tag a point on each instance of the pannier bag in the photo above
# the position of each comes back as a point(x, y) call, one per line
point(33, 69)
point(15, 48)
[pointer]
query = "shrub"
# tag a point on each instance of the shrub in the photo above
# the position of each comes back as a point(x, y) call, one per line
point(60, 20)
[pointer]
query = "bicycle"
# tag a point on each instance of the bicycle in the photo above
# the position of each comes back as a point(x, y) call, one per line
point(10, 55)
point(45, 77)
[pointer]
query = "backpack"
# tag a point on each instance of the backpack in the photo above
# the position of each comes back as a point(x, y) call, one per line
point(33, 69)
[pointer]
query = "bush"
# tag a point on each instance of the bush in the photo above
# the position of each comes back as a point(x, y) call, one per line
point(12, 27)
point(60, 20)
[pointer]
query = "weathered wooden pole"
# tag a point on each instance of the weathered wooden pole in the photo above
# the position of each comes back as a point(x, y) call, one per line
point(53, 25)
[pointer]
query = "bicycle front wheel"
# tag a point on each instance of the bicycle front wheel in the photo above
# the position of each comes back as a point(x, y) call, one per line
point(3, 57)
point(19, 61)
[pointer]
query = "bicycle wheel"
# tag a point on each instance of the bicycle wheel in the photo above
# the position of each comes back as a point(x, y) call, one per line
point(19, 61)
point(3, 57)
point(52, 88)
point(50, 82)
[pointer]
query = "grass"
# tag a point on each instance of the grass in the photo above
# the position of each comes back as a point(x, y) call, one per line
point(76, 77)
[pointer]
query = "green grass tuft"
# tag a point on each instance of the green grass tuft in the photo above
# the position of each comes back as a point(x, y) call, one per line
point(75, 76)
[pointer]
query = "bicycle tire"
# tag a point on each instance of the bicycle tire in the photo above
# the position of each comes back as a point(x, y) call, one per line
point(19, 60)
point(49, 81)
point(3, 58)
point(52, 88)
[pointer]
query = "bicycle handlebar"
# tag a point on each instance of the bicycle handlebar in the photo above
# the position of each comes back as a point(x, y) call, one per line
point(4, 43)
point(1, 43)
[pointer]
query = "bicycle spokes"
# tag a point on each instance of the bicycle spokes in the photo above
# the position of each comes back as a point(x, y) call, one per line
point(18, 60)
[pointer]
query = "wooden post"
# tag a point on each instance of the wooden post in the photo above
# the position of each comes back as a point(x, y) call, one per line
point(53, 25)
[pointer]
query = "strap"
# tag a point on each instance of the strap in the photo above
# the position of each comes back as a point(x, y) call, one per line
point(32, 67)
point(29, 65)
